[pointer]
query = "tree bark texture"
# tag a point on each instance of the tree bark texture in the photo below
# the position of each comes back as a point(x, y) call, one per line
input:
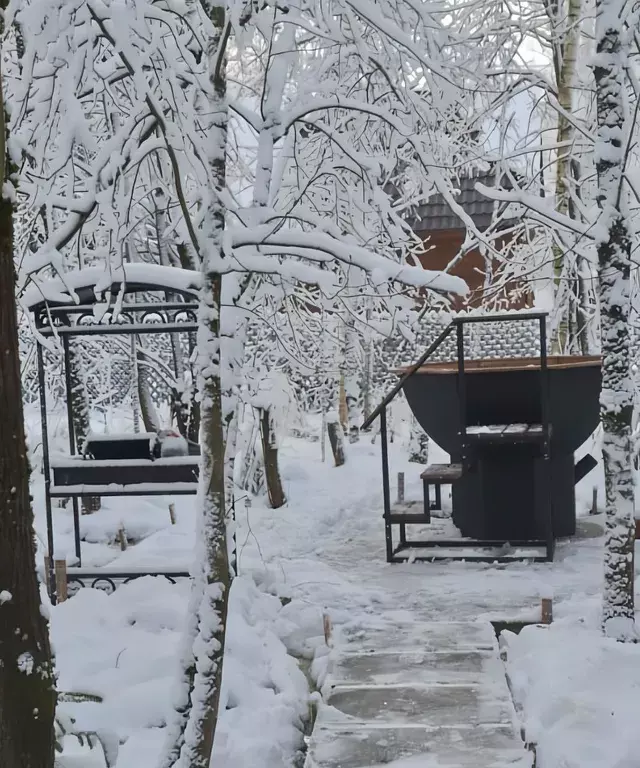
point(147, 409)
point(336, 440)
point(27, 683)
point(270, 452)
point(190, 736)
point(571, 298)
point(614, 252)
point(81, 419)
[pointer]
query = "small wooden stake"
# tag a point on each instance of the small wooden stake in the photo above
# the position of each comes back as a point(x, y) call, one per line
point(594, 501)
point(400, 487)
point(328, 629)
point(60, 568)
point(122, 538)
point(172, 513)
point(547, 610)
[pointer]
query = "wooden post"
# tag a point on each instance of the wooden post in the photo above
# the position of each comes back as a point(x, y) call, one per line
point(594, 501)
point(122, 538)
point(172, 513)
point(400, 487)
point(546, 610)
point(328, 628)
point(47, 573)
point(60, 569)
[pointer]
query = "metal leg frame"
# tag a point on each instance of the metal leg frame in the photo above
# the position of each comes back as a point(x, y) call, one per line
point(386, 492)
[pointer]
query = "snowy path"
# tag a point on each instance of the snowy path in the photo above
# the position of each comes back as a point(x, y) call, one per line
point(324, 551)
point(434, 690)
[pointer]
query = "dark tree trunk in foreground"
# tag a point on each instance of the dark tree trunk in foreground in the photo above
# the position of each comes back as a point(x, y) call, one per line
point(614, 258)
point(270, 452)
point(27, 685)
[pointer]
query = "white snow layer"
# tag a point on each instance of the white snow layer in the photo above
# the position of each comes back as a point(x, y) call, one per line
point(124, 648)
point(579, 692)
point(62, 289)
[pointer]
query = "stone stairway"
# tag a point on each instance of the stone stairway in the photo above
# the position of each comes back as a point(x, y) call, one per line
point(432, 691)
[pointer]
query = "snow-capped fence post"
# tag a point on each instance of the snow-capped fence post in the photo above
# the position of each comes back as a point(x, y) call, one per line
point(336, 438)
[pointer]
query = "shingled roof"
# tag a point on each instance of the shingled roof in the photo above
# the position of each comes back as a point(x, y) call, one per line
point(436, 215)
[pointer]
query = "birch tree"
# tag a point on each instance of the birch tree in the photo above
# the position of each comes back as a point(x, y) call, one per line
point(614, 25)
point(571, 323)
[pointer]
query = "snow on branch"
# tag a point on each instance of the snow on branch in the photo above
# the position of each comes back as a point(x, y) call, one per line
point(539, 208)
point(381, 269)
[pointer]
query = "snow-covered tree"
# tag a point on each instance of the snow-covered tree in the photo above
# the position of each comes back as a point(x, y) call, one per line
point(317, 126)
point(615, 23)
point(27, 681)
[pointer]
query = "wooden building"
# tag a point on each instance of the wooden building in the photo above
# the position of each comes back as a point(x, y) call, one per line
point(443, 233)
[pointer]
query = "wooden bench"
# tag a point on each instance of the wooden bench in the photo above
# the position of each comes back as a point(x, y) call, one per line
point(437, 475)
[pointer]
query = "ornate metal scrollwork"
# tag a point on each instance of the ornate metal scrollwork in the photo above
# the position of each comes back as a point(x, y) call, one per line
point(109, 584)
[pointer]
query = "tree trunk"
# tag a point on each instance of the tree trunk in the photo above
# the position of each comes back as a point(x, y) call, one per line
point(191, 735)
point(614, 251)
point(147, 408)
point(564, 59)
point(352, 387)
point(336, 439)
point(81, 420)
point(27, 683)
point(270, 452)
point(252, 470)
point(418, 444)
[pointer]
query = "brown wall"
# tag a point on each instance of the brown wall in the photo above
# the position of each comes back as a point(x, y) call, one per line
point(443, 246)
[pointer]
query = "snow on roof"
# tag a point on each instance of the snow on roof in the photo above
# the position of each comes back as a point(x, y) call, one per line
point(89, 285)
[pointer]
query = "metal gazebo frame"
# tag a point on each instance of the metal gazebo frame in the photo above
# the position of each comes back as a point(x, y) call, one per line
point(56, 318)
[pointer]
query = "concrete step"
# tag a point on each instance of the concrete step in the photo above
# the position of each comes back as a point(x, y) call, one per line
point(430, 706)
point(479, 747)
point(411, 668)
point(417, 636)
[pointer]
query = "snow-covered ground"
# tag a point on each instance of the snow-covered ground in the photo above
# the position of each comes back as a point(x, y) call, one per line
point(323, 553)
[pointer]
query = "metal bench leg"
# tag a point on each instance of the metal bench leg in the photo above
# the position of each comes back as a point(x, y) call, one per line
point(427, 500)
